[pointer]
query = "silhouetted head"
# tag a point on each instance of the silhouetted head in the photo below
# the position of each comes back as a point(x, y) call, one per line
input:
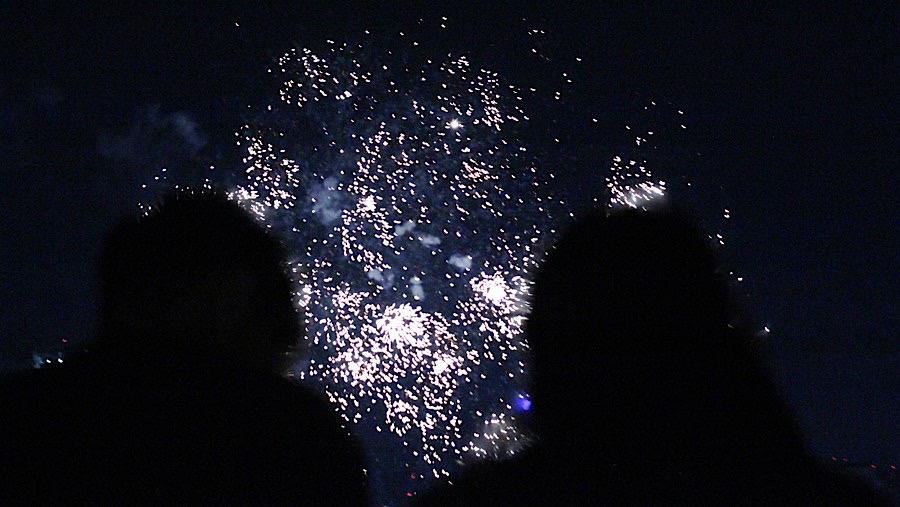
point(196, 277)
point(646, 388)
point(631, 320)
point(633, 273)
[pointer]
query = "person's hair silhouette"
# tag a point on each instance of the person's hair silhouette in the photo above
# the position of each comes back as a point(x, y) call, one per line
point(646, 386)
point(179, 399)
point(196, 277)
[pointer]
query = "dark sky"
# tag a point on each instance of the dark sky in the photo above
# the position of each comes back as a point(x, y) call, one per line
point(793, 127)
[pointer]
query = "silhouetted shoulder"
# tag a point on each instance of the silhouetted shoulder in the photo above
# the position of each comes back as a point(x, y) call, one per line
point(159, 434)
point(178, 400)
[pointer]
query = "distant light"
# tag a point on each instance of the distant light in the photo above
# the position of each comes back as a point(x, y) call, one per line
point(454, 124)
point(523, 403)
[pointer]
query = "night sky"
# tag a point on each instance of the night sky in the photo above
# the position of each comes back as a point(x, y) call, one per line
point(791, 127)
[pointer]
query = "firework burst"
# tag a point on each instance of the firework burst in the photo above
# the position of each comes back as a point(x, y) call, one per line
point(415, 216)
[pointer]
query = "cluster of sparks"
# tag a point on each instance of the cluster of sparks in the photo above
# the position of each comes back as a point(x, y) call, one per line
point(629, 181)
point(415, 217)
point(632, 194)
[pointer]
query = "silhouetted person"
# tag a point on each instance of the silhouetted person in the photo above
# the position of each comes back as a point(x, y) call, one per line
point(179, 400)
point(647, 389)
